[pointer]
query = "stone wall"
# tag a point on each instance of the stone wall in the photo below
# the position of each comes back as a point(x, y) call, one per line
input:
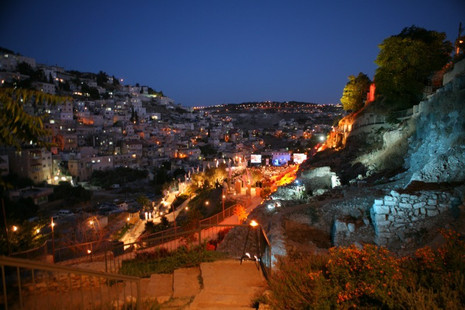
point(397, 215)
point(459, 68)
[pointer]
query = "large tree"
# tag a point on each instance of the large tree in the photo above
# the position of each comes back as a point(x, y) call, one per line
point(355, 92)
point(406, 62)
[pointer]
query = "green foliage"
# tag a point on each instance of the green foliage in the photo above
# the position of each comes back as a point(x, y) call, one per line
point(301, 284)
point(144, 201)
point(151, 228)
point(102, 78)
point(162, 261)
point(120, 175)
point(151, 91)
point(20, 210)
point(406, 61)
point(179, 200)
point(92, 91)
point(207, 150)
point(16, 181)
point(213, 196)
point(373, 278)
point(355, 92)
point(71, 194)
point(17, 126)
point(25, 238)
point(123, 231)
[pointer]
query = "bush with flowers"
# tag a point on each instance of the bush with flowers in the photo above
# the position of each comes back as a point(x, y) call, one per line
point(372, 277)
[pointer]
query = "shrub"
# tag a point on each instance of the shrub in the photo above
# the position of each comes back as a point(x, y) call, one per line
point(363, 276)
point(301, 284)
point(372, 277)
point(162, 261)
point(241, 213)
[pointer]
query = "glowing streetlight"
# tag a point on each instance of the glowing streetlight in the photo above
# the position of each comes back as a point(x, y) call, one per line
point(52, 224)
point(15, 228)
point(207, 203)
point(253, 223)
point(223, 197)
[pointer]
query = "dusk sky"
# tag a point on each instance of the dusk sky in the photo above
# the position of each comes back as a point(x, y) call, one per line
point(222, 51)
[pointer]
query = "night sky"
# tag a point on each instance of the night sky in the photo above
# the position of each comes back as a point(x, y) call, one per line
point(221, 51)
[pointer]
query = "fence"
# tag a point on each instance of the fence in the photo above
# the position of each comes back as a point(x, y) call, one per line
point(38, 252)
point(212, 235)
point(80, 251)
point(219, 217)
point(113, 253)
point(28, 284)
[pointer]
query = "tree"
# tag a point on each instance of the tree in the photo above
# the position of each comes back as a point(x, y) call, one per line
point(406, 61)
point(71, 194)
point(355, 91)
point(144, 201)
point(25, 68)
point(92, 91)
point(102, 78)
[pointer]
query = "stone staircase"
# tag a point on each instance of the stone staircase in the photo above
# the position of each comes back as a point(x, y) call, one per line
point(225, 284)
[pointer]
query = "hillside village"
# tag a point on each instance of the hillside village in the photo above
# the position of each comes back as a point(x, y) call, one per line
point(393, 180)
point(103, 124)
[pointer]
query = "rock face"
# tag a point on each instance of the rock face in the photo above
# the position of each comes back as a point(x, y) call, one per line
point(319, 178)
point(437, 148)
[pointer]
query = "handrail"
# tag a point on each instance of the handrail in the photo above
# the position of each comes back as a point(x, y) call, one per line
point(33, 286)
point(36, 249)
point(31, 264)
point(226, 211)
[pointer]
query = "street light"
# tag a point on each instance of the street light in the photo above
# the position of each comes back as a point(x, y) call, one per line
point(223, 196)
point(15, 228)
point(52, 224)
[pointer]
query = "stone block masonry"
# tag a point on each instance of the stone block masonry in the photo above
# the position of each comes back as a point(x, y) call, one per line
point(397, 215)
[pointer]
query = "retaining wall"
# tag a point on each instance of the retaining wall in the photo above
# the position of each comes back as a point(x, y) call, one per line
point(396, 214)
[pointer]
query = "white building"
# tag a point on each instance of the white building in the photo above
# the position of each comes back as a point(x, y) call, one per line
point(45, 87)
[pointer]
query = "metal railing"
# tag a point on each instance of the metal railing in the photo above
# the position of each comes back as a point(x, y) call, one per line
point(219, 217)
point(265, 253)
point(211, 235)
point(28, 284)
point(38, 252)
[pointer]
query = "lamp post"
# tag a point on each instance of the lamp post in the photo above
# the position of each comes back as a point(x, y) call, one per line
point(6, 227)
point(52, 224)
point(223, 197)
point(245, 255)
point(174, 219)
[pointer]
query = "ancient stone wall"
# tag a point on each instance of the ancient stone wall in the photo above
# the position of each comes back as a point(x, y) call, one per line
point(396, 215)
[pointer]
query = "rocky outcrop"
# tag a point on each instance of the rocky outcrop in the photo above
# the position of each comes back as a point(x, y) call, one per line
point(320, 178)
point(437, 148)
